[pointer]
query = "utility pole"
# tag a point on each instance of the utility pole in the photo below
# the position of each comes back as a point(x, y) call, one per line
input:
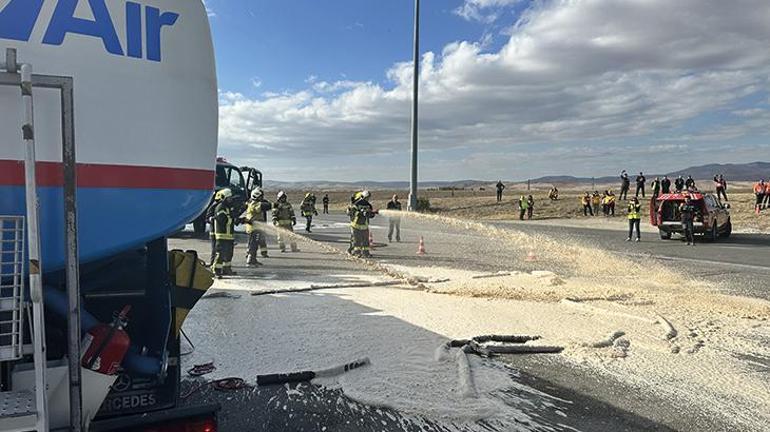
point(416, 90)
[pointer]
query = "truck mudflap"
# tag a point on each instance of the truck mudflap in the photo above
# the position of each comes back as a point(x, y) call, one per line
point(195, 418)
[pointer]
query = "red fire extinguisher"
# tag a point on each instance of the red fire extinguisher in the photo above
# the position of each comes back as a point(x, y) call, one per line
point(105, 345)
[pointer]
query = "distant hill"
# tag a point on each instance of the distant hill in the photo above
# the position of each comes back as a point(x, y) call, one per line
point(732, 172)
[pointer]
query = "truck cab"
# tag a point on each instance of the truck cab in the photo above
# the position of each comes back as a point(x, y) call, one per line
point(712, 219)
point(232, 177)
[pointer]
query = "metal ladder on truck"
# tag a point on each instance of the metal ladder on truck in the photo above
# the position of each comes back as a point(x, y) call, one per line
point(20, 262)
point(23, 410)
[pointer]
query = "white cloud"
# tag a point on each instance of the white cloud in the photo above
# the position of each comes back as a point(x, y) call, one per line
point(572, 71)
point(486, 11)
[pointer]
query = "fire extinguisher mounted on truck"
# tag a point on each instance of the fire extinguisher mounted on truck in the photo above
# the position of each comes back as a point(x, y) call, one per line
point(86, 206)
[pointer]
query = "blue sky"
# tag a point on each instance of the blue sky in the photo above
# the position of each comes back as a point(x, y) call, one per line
point(283, 43)
point(510, 89)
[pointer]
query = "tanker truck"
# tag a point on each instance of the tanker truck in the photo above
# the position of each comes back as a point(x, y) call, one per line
point(108, 141)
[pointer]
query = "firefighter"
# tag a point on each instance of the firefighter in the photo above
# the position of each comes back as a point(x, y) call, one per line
point(606, 203)
point(500, 187)
point(360, 213)
point(308, 209)
point(634, 219)
point(256, 214)
point(326, 203)
point(224, 227)
point(585, 200)
point(665, 185)
point(395, 221)
point(656, 187)
point(679, 184)
point(687, 213)
point(210, 220)
point(284, 219)
point(640, 180)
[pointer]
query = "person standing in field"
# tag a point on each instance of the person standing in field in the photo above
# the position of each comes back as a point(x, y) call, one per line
point(640, 180)
point(326, 203)
point(759, 194)
point(585, 201)
point(665, 185)
point(611, 197)
point(523, 206)
point(689, 184)
point(634, 219)
point(655, 186)
point(394, 221)
point(625, 185)
point(500, 186)
point(766, 200)
point(596, 201)
point(530, 206)
point(722, 187)
point(679, 184)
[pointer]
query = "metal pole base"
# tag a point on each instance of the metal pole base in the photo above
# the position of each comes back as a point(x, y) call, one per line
point(412, 206)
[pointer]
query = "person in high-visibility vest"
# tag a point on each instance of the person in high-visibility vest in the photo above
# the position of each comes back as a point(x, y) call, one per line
point(523, 206)
point(759, 193)
point(285, 219)
point(585, 200)
point(224, 233)
point(634, 219)
point(360, 212)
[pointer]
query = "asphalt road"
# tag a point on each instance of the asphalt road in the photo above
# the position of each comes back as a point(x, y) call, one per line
point(741, 262)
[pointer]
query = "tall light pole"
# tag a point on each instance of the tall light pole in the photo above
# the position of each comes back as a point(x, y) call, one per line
point(415, 94)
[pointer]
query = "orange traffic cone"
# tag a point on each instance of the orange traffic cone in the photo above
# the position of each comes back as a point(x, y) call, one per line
point(531, 257)
point(371, 240)
point(421, 247)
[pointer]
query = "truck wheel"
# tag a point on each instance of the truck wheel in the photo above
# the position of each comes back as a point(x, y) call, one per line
point(728, 229)
point(664, 235)
point(199, 225)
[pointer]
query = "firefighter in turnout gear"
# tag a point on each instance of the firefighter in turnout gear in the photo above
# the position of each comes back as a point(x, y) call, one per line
point(360, 213)
point(224, 227)
point(210, 220)
point(256, 214)
point(308, 209)
point(284, 219)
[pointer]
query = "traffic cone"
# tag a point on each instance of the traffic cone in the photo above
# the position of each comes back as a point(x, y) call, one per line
point(421, 247)
point(531, 257)
point(371, 240)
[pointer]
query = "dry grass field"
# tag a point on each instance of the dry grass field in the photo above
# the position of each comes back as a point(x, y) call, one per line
point(481, 204)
